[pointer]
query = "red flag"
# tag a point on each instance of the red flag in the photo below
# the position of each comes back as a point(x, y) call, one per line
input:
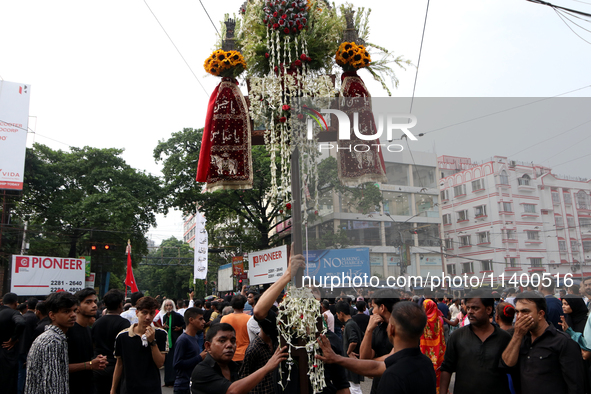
point(129, 279)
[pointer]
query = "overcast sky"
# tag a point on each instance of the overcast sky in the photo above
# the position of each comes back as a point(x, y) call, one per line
point(104, 74)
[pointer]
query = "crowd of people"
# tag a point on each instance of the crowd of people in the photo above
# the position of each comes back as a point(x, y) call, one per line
point(517, 341)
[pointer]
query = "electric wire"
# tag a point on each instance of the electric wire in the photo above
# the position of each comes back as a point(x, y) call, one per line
point(214, 26)
point(571, 29)
point(177, 49)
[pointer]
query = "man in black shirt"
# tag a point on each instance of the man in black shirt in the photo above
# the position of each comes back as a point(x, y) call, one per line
point(218, 374)
point(24, 344)
point(407, 370)
point(12, 324)
point(80, 352)
point(43, 319)
point(104, 332)
point(549, 361)
point(474, 351)
point(351, 340)
point(375, 344)
point(360, 317)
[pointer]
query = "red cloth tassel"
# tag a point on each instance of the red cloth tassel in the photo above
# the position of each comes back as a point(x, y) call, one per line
point(206, 143)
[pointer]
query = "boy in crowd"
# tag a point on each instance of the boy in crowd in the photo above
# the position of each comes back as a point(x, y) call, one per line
point(140, 352)
point(188, 352)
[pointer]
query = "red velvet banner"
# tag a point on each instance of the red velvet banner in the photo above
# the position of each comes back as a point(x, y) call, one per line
point(225, 160)
point(364, 162)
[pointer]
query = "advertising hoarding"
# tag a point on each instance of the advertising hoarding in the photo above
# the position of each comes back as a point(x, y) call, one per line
point(41, 275)
point(266, 266)
point(337, 262)
point(14, 123)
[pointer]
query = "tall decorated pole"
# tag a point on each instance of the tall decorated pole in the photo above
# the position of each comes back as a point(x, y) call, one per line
point(288, 49)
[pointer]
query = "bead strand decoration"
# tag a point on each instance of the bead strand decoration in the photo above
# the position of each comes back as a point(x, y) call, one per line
point(297, 318)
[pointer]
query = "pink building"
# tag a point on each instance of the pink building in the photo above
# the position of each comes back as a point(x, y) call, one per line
point(504, 217)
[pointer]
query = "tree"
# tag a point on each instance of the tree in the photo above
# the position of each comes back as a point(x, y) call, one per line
point(88, 196)
point(249, 211)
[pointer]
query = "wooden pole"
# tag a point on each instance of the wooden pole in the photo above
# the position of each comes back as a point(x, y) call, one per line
point(296, 213)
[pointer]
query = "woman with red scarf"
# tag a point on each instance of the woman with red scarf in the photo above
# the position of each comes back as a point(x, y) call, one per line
point(432, 341)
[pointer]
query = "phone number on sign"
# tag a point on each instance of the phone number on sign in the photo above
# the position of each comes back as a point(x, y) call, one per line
point(71, 289)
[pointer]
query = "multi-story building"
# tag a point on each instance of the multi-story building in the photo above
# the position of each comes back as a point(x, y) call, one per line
point(189, 223)
point(405, 227)
point(504, 217)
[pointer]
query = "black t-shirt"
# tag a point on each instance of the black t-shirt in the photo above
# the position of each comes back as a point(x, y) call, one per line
point(352, 334)
point(139, 370)
point(381, 345)
point(104, 332)
point(362, 321)
point(79, 351)
point(408, 371)
point(207, 314)
point(207, 377)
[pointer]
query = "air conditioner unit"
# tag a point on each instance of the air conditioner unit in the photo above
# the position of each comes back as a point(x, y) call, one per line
point(512, 163)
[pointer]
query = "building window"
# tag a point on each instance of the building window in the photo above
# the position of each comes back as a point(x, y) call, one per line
point(524, 180)
point(395, 203)
point(582, 200)
point(503, 178)
point(536, 262)
point(555, 198)
point(505, 207)
point(459, 190)
point(424, 176)
point(480, 211)
point(585, 222)
point(465, 240)
point(447, 218)
point(533, 235)
point(570, 222)
point(529, 208)
point(562, 245)
point(567, 198)
point(462, 215)
point(451, 269)
point(511, 262)
point(468, 268)
point(559, 221)
point(483, 237)
point(509, 234)
point(397, 174)
point(574, 245)
point(449, 244)
point(487, 265)
point(587, 246)
point(478, 185)
point(444, 195)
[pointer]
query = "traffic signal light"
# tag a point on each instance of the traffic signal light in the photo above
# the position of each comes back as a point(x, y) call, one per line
point(106, 247)
point(93, 247)
point(240, 281)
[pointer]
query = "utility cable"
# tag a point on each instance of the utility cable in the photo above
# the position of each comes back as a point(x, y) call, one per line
point(177, 49)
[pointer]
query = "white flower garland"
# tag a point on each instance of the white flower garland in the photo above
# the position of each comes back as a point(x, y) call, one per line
point(268, 96)
point(297, 318)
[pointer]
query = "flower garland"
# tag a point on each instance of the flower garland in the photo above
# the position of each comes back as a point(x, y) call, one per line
point(297, 318)
point(225, 63)
point(351, 56)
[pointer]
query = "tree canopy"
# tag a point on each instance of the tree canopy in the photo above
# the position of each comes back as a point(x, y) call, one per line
point(87, 196)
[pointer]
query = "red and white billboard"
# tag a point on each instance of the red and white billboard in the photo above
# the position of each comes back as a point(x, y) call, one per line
point(41, 275)
point(14, 123)
point(266, 266)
